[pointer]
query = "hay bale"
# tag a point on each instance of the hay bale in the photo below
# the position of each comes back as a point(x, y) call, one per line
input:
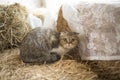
point(106, 70)
point(13, 25)
point(12, 68)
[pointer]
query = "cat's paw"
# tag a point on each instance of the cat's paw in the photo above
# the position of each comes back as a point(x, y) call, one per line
point(55, 56)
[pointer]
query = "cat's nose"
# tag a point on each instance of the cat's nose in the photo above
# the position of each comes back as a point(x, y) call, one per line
point(69, 45)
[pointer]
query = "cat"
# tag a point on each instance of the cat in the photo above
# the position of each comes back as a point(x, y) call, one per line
point(67, 42)
point(43, 45)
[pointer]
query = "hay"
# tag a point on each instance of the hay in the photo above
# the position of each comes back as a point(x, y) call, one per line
point(106, 70)
point(13, 25)
point(12, 68)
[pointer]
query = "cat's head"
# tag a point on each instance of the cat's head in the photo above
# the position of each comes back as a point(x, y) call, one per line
point(69, 40)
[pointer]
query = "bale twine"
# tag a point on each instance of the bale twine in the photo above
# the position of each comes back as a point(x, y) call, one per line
point(13, 25)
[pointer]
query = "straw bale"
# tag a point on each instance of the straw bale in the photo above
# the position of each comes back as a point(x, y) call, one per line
point(12, 68)
point(13, 25)
point(106, 70)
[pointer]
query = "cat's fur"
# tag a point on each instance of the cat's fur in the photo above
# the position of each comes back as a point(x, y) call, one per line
point(67, 42)
point(45, 45)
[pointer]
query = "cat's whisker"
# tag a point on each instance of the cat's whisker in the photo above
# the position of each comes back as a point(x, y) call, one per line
point(62, 57)
point(69, 56)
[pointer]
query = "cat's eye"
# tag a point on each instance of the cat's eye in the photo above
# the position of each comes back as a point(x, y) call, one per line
point(73, 40)
point(65, 39)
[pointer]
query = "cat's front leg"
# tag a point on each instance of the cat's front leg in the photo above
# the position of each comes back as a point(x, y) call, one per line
point(53, 57)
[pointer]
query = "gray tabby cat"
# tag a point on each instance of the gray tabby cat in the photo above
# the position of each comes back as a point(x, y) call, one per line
point(46, 46)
